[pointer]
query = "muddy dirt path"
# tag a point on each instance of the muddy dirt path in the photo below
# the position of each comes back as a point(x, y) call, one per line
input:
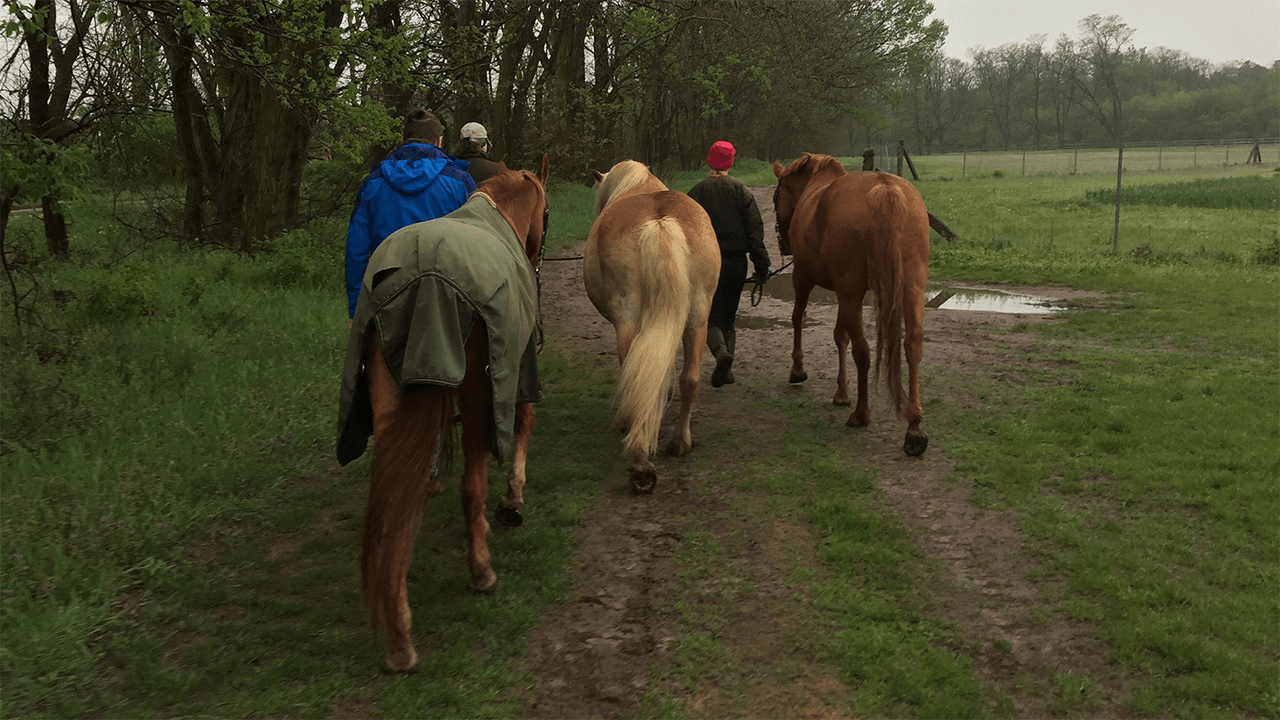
point(594, 657)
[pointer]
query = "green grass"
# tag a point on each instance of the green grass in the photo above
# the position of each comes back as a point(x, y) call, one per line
point(177, 539)
point(1137, 161)
point(1244, 193)
point(1046, 230)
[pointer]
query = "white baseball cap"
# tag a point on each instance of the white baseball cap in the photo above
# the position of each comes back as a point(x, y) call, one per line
point(474, 131)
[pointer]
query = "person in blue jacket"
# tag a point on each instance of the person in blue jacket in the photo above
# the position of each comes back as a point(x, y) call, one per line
point(417, 182)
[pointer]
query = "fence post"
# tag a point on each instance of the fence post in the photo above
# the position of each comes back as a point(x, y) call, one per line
point(1194, 162)
point(964, 163)
point(1075, 159)
point(1024, 162)
point(1159, 157)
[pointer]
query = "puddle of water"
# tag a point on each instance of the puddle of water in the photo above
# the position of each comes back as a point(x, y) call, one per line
point(946, 297)
point(985, 300)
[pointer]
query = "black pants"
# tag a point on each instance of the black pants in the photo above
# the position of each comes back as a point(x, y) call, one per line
point(724, 306)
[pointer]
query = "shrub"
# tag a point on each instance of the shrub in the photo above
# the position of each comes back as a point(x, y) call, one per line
point(1246, 193)
point(1267, 253)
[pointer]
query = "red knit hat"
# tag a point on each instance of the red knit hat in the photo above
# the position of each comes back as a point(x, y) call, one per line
point(720, 157)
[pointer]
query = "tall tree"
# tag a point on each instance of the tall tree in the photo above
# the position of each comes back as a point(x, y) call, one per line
point(60, 101)
point(247, 79)
point(1104, 44)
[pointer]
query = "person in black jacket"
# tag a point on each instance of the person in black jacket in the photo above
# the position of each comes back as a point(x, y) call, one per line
point(474, 148)
point(739, 231)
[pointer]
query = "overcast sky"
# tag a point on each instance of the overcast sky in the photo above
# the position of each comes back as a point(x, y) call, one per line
point(1215, 30)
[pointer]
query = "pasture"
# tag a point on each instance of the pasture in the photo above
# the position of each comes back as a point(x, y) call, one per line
point(1139, 162)
point(1092, 531)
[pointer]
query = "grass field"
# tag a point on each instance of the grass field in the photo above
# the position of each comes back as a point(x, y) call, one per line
point(178, 541)
point(1138, 161)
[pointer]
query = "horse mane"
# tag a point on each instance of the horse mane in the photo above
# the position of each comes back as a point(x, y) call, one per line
point(812, 163)
point(620, 179)
point(505, 185)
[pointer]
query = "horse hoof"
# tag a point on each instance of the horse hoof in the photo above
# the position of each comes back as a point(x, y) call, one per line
point(486, 585)
point(400, 663)
point(856, 422)
point(842, 402)
point(509, 516)
point(797, 378)
point(678, 448)
point(915, 445)
point(643, 482)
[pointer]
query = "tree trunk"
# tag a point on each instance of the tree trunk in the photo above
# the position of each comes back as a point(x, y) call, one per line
point(179, 52)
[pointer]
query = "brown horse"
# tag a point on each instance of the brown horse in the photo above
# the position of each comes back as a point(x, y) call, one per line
point(850, 234)
point(447, 314)
point(651, 265)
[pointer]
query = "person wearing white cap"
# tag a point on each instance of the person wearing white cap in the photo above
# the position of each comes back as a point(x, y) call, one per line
point(474, 148)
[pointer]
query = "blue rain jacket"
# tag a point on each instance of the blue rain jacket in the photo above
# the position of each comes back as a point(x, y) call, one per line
point(417, 182)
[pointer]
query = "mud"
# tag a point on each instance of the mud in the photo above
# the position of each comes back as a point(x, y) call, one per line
point(595, 656)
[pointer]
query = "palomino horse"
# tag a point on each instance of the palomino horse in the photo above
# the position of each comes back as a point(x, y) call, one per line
point(651, 265)
point(850, 234)
point(447, 313)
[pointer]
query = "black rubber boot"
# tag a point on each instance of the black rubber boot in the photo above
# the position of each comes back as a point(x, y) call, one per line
point(724, 358)
point(731, 339)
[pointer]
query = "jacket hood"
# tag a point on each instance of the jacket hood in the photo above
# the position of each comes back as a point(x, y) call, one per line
point(411, 176)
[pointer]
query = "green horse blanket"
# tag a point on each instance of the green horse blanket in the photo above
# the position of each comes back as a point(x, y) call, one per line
point(428, 286)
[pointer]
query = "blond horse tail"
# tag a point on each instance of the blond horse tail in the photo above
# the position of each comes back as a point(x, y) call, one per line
point(402, 458)
point(889, 215)
point(648, 368)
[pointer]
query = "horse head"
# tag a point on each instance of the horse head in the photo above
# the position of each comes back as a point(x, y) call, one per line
point(521, 197)
point(793, 180)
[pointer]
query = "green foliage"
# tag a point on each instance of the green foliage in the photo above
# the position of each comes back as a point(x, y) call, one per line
point(32, 168)
point(302, 259)
point(1267, 253)
point(136, 153)
point(1246, 193)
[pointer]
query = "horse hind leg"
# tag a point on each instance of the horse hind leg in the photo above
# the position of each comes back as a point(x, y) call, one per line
point(695, 340)
point(474, 399)
point(916, 441)
point(849, 319)
point(510, 510)
point(841, 335)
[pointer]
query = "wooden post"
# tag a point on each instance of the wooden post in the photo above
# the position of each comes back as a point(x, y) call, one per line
point(915, 175)
point(1159, 158)
point(901, 151)
point(1115, 237)
point(1075, 160)
point(1024, 162)
point(964, 162)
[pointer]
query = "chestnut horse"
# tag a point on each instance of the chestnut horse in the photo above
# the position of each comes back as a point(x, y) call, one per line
point(850, 234)
point(651, 265)
point(427, 339)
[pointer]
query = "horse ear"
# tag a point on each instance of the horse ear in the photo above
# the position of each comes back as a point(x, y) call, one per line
point(777, 169)
point(597, 176)
point(544, 169)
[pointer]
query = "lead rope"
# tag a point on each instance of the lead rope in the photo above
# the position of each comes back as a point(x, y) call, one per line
point(757, 292)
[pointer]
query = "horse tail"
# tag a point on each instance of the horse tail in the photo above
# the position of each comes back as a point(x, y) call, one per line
point(889, 215)
point(647, 370)
point(402, 458)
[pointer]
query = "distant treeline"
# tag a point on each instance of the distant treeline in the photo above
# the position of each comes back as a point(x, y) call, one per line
point(1030, 95)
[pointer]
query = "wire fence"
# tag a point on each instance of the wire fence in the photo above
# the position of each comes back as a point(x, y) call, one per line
point(1205, 155)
